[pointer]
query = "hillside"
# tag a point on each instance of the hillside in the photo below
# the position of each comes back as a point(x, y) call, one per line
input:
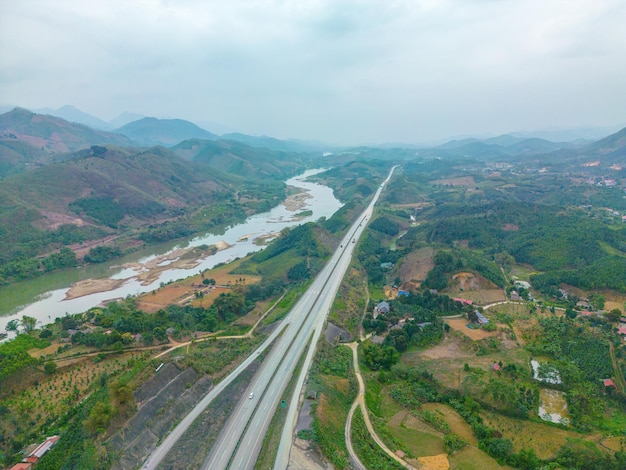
point(152, 131)
point(133, 195)
point(504, 147)
point(272, 143)
point(96, 191)
point(37, 139)
point(239, 159)
point(54, 134)
point(613, 145)
point(73, 114)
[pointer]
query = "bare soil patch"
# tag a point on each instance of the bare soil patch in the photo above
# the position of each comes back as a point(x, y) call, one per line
point(468, 281)
point(435, 462)
point(91, 286)
point(412, 205)
point(303, 456)
point(460, 324)
point(417, 264)
point(296, 201)
point(184, 291)
point(461, 181)
point(53, 220)
point(81, 249)
point(449, 348)
point(475, 287)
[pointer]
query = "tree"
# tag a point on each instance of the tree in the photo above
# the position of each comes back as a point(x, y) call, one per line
point(12, 325)
point(121, 392)
point(49, 367)
point(614, 315)
point(230, 305)
point(379, 357)
point(28, 323)
point(597, 300)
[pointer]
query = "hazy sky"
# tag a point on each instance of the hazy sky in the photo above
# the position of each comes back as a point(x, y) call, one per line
point(341, 71)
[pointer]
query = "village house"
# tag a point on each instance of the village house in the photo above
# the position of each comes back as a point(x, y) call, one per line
point(377, 339)
point(515, 296)
point(463, 301)
point(34, 456)
point(482, 320)
point(381, 309)
point(22, 466)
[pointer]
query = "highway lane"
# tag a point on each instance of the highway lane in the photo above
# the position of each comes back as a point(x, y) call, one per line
point(275, 372)
point(283, 358)
point(253, 428)
point(252, 440)
point(284, 448)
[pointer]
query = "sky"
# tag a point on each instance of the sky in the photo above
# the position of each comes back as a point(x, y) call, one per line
point(341, 71)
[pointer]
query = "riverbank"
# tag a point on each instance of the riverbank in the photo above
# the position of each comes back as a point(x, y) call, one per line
point(53, 295)
point(149, 271)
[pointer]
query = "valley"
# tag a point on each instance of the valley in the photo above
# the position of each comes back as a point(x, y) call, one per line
point(484, 303)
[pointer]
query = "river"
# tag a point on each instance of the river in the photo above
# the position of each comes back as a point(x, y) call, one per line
point(45, 298)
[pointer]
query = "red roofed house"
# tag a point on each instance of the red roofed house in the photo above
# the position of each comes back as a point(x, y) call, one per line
point(41, 449)
point(621, 330)
point(610, 383)
point(495, 366)
point(463, 301)
point(22, 466)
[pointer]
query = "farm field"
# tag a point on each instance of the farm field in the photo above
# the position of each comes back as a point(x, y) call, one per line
point(180, 292)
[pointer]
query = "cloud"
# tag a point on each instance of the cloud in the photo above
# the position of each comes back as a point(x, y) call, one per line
point(348, 71)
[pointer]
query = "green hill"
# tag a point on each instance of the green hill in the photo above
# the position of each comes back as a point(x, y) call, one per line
point(235, 158)
point(27, 138)
point(52, 133)
point(152, 131)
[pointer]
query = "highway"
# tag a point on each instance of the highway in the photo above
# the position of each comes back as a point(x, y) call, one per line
point(241, 439)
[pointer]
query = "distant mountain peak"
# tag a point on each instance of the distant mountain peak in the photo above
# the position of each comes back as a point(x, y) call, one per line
point(154, 131)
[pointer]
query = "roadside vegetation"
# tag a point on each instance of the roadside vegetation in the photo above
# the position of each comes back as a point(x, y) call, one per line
point(455, 390)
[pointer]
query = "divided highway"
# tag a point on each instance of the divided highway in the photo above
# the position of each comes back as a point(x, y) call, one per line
point(241, 438)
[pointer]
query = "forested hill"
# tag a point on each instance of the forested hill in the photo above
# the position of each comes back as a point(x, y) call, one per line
point(152, 131)
point(136, 195)
point(240, 159)
point(28, 139)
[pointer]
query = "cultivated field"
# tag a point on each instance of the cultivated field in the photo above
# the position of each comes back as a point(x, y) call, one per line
point(184, 291)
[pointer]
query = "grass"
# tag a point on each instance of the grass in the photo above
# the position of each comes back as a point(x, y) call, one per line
point(372, 456)
point(213, 357)
point(613, 422)
point(349, 303)
point(332, 376)
point(387, 406)
point(268, 452)
point(543, 438)
point(457, 424)
point(472, 458)
point(285, 305)
point(419, 443)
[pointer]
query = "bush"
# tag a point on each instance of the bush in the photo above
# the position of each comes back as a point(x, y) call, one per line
point(453, 443)
point(49, 367)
